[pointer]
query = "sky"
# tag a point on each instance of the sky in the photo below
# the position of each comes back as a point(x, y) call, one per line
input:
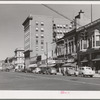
point(13, 15)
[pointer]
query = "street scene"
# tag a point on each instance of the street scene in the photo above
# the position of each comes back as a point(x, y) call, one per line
point(50, 47)
point(30, 81)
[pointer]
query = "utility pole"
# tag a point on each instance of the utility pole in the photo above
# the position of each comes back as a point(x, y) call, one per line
point(91, 13)
point(47, 53)
point(64, 50)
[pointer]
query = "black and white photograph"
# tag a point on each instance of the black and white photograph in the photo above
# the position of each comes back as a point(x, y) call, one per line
point(50, 47)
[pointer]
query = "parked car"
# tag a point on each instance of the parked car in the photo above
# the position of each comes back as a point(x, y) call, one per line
point(1, 68)
point(72, 71)
point(52, 71)
point(37, 70)
point(43, 70)
point(86, 71)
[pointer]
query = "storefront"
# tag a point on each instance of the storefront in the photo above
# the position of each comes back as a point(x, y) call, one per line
point(96, 60)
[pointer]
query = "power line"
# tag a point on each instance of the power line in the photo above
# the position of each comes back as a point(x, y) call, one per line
point(59, 13)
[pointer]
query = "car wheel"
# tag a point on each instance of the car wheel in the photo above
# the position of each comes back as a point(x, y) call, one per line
point(91, 75)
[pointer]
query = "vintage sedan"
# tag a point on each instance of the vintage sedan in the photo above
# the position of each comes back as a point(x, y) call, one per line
point(72, 71)
point(86, 71)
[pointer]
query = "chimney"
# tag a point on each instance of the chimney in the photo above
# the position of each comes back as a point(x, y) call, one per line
point(78, 18)
point(81, 14)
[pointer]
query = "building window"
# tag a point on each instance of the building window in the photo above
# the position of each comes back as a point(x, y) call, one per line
point(42, 24)
point(37, 23)
point(60, 26)
point(84, 44)
point(36, 48)
point(81, 45)
point(64, 26)
point(42, 48)
point(36, 42)
point(36, 29)
point(93, 39)
point(37, 36)
point(42, 36)
point(42, 41)
point(42, 30)
point(97, 40)
point(57, 26)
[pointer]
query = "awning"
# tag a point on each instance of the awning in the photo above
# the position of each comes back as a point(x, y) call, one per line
point(33, 65)
point(84, 61)
point(97, 59)
point(69, 65)
point(43, 65)
point(59, 62)
point(70, 60)
point(51, 65)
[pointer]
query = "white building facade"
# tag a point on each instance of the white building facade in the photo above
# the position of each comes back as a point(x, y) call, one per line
point(19, 58)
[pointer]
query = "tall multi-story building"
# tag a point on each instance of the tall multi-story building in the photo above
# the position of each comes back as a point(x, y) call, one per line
point(19, 58)
point(39, 35)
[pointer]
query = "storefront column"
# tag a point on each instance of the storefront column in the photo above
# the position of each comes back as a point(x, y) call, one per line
point(68, 47)
point(74, 44)
point(90, 60)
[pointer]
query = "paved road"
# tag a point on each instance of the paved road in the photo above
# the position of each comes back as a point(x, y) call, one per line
point(29, 81)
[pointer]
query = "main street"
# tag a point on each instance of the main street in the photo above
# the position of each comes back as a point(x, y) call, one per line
point(30, 81)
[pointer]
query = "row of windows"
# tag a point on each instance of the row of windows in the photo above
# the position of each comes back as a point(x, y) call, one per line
point(37, 36)
point(42, 23)
point(61, 31)
point(42, 42)
point(42, 48)
point(60, 26)
point(92, 42)
point(42, 29)
point(20, 54)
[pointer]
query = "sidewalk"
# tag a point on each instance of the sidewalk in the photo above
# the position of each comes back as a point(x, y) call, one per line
point(59, 74)
point(96, 75)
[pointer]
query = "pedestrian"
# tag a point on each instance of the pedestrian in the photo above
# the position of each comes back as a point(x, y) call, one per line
point(62, 71)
